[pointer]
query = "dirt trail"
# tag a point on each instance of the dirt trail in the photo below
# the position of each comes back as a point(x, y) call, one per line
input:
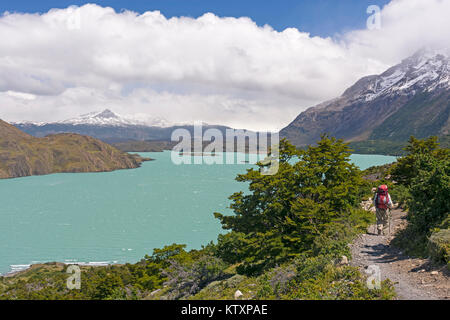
point(414, 279)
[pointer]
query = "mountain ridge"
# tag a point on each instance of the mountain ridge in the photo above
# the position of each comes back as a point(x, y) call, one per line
point(411, 98)
point(106, 117)
point(110, 127)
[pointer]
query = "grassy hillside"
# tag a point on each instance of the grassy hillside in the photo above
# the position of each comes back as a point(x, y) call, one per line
point(423, 116)
point(24, 155)
point(384, 147)
point(389, 147)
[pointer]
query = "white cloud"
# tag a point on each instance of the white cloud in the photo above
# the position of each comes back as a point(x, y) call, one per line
point(21, 95)
point(217, 70)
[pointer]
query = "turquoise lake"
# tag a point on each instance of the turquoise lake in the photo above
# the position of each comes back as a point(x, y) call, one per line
point(118, 216)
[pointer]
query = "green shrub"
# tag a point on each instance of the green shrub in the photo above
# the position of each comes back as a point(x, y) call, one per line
point(400, 194)
point(186, 280)
point(439, 246)
point(424, 178)
point(319, 279)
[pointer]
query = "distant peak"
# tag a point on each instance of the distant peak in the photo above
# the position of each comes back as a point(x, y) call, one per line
point(105, 114)
point(426, 56)
point(426, 70)
point(432, 52)
point(109, 118)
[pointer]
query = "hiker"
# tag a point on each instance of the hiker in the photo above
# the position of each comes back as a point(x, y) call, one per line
point(382, 202)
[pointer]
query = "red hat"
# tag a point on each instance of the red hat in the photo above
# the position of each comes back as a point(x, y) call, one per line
point(383, 187)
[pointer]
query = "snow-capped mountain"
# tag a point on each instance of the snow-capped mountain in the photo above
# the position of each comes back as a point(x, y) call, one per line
point(109, 118)
point(427, 70)
point(110, 127)
point(102, 118)
point(411, 98)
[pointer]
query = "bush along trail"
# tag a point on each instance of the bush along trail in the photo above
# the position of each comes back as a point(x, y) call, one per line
point(415, 256)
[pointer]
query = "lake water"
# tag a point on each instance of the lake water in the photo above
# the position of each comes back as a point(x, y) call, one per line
point(119, 216)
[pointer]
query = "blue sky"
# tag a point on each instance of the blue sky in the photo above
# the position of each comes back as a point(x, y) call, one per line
point(318, 17)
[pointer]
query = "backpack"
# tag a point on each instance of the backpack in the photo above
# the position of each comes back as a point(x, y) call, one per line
point(382, 199)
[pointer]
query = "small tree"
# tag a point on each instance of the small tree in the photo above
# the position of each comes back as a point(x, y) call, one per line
point(186, 280)
point(408, 166)
point(430, 189)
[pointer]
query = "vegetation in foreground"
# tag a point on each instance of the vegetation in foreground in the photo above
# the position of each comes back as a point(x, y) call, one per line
point(420, 183)
point(423, 178)
point(288, 239)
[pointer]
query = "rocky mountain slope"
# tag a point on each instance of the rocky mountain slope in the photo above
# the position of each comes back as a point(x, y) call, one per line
point(411, 98)
point(24, 155)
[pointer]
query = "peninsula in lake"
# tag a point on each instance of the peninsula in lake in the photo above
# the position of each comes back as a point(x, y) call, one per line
point(24, 155)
